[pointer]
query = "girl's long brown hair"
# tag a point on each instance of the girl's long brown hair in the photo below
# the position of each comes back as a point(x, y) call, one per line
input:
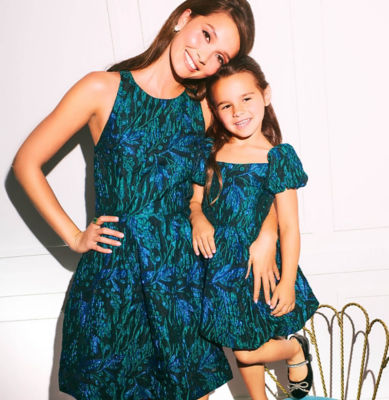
point(238, 10)
point(217, 131)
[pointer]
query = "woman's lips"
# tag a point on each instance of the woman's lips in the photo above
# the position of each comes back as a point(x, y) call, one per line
point(190, 63)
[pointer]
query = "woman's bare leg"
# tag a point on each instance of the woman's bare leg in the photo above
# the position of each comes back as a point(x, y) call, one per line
point(254, 378)
point(206, 397)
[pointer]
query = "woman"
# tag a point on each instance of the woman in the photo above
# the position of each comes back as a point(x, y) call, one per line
point(131, 321)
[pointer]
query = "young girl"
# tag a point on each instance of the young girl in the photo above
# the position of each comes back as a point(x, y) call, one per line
point(131, 323)
point(248, 170)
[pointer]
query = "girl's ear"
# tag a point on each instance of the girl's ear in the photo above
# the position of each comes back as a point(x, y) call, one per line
point(184, 19)
point(267, 95)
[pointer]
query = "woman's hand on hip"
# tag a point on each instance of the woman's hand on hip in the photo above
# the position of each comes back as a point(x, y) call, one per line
point(93, 235)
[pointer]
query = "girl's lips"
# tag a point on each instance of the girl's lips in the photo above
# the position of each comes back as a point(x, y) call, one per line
point(190, 63)
point(242, 123)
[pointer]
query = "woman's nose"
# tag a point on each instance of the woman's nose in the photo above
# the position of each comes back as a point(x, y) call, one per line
point(201, 59)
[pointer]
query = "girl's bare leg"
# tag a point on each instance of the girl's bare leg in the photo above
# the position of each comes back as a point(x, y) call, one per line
point(206, 397)
point(277, 350)
point(254, 378)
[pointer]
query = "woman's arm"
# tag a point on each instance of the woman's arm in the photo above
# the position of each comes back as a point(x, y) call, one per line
point(263, 257)
point(84, 103)
point(283, 300)
point(202, 230)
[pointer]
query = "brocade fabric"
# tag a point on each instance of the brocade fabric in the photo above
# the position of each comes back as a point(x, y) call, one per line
point(230, 316)
point(131, 326)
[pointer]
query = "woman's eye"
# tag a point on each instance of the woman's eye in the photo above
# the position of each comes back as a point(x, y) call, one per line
point(220, 59)
point(247, 99)
point(207, 36)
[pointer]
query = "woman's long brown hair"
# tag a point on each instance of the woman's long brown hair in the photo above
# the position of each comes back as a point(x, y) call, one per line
point(217, 131)
point(238, 10)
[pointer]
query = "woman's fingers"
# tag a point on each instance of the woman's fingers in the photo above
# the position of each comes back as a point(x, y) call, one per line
point(276, 271)
point(207, 247)
point(205, 244)
point(111, 242)
point(274, 300)
point(111, 232)
point(257, 286)
point(272, 281)
point(201, 247)
point(105, 218)
point(102, 249)
point(248, 268)
point(266, 290)
point(196, 247)
point(212, 245)
point(96, 232)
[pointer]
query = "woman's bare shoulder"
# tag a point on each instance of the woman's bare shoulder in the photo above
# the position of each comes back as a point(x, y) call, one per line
point(100, 82)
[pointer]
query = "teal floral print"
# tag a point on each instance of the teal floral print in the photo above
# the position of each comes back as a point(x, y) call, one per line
point(131, 326)
point(230, 316)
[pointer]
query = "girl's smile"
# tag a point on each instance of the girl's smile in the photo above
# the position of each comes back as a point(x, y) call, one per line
point(240, 104)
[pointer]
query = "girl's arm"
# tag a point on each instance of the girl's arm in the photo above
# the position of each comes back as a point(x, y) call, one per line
point(283, 300)
point(263, 257)
point(202, 230)
point(84, 103)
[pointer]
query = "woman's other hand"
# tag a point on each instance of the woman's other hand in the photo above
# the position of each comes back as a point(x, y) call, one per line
point(93, 235)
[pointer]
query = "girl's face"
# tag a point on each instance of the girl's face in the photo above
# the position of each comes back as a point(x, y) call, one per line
point(203, 44)
point(240, 104)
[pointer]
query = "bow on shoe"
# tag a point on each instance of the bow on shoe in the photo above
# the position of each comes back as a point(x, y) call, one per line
point(303, 386)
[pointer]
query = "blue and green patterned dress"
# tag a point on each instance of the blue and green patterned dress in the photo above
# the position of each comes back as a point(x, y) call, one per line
point(131, 327)
point(230, 316)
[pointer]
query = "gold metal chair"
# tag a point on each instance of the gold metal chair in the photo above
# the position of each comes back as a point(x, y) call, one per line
point(339, 374)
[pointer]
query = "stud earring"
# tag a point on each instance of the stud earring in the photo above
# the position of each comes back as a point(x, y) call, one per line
point(177, 28)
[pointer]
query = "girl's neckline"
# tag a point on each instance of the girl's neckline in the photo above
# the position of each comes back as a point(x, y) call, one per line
point(151, 96)
point(253, 163)
point(231, 163)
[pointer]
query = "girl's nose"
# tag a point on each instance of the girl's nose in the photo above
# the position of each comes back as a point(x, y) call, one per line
point(237, 112)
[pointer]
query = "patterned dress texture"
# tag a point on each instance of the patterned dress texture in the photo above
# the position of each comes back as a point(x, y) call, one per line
point(131, 324)
point(230, 316)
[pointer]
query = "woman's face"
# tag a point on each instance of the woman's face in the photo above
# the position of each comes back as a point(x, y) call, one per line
point(203, 44)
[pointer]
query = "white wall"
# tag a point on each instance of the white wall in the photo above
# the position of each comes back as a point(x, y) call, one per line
point(327, 63)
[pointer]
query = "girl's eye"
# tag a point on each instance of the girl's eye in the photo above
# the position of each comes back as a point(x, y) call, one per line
point(247, 99)
point(225, 107)
point(220, 59)
point(207, 36)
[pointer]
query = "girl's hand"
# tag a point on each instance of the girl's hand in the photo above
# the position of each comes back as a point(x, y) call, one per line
point(89, 239)
point(262, 260)
point(202, 235)
point(283, 300)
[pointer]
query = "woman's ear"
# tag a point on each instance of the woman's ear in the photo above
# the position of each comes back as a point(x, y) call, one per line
point(267, 95)
point(184, 19)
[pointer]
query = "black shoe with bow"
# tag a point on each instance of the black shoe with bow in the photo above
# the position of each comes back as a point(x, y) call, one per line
point(301, 389)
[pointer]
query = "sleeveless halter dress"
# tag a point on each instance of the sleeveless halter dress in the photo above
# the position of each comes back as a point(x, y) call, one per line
point(230, 316)
point(131, 324)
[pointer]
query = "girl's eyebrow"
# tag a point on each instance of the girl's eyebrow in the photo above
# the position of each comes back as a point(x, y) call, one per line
point(226, 101)
point(213, 31)
point(222, 102)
